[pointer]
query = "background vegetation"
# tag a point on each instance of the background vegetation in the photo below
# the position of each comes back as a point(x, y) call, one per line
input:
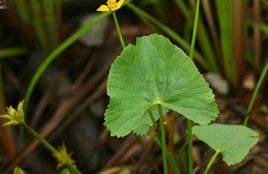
point(69, 99)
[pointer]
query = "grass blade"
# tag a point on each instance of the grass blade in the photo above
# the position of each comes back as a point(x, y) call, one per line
point(22, 11)
point(50, 22)
point(239, 35)
point(212, 27)
point(38, 24)
point(257, 35)
point(9, 52)
point(226, 36)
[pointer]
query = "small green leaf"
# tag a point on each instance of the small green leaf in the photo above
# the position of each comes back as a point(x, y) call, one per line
point(18, 170)
point(155, 72)
point(233, 141)
point(65, 171)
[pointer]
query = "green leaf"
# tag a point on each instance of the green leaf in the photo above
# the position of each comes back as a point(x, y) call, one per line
point(65, 171)
point(233, 141)
point(155, 72)
point(18, 170)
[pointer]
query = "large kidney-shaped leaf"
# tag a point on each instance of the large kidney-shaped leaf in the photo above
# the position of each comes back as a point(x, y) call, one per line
point(233, 141)
point(155, 72)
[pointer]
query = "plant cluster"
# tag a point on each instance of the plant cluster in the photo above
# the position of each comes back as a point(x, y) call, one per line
point(147, 81)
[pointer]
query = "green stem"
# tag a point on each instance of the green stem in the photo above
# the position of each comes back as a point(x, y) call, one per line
point(256, 90)
point(156, 140)
point(39, 138)
point(55, 53)
point(211, 162)
point(183, 146)
point(190, 147)
point(163, 139)
point(52, 149)
point(118, 30)
point(153, 120)
point(72, 168)
point(170, 158)
point(189, 122)
point(195, 29)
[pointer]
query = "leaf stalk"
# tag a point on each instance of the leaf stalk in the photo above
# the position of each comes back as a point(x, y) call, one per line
point(211, 162)
point(118, 30)
point(195, 29)
point(189, 122)
point(190, 146)
point(163, 139)
point(52, 149)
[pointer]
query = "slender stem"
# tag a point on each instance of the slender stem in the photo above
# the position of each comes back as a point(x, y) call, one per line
point(55, 53)
point(39, 138)
point(118, 30)
point(189, 122)
point(195, 29)
point(163, 139)
point(153, 120)
point(256, 90)
point(190, 147)
point(170, 158)
point(155, 138)
point(72, 168)
point(52, 149)
point(183, 146)
point(211, 162)
point(170, 144)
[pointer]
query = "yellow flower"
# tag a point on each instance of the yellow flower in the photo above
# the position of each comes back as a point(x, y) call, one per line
point(63, 157)
point(14, 116)
point(112, 5)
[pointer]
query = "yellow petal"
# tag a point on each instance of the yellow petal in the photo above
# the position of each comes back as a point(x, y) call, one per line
point(103, 8)
point(4, 116)
point(119, 4)
point(112, 1)
point(9, 123)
